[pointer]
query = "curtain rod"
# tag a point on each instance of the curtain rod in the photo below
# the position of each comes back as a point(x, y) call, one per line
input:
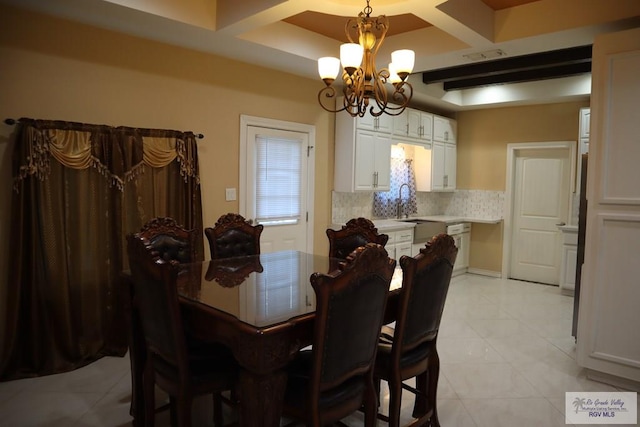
point(12, 122)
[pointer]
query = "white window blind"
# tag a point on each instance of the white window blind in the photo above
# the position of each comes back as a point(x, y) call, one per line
point(278, 186)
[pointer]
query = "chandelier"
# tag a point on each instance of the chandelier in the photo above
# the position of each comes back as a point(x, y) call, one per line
point(364, 86)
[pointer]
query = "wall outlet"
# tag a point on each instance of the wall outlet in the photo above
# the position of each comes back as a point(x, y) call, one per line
point(230, 194)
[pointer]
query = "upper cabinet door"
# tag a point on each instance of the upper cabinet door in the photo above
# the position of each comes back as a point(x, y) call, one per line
point(426, 126)
point(382, 123)
point(444, 129)
point(401, 124)
point(367, 122)
point(413, 123)
point(585, 122)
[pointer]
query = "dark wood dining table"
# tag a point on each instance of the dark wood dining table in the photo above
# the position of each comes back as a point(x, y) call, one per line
point(263, 308)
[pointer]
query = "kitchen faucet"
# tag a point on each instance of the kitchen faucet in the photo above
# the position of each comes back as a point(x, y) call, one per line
point(399, 207)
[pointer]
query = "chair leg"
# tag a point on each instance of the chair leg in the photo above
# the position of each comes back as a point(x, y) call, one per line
point(377, 384)
point(183, 406)
point(148, 391)
point(173, 416)
point(432, 389)
point(395, 401)
point(218, 420)
point(421, 406)
point(370, 406)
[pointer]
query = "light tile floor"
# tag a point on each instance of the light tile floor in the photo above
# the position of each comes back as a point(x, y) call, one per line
point(506, 351)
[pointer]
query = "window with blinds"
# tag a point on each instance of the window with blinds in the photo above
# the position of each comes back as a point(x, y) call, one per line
point(278, 185)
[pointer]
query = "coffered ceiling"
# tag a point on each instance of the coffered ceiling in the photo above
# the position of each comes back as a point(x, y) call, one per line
point(291, 35)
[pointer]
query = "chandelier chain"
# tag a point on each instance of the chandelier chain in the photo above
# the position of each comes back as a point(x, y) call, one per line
point(368, 9)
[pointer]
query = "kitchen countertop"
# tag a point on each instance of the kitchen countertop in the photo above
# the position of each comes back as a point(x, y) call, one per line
point(397, 224)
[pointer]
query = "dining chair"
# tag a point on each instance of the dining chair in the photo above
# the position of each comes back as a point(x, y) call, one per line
point(179, 364)
point(171, 241)
point(409, 350)
point(335, 377)
point(357, 232)
point(233, 236)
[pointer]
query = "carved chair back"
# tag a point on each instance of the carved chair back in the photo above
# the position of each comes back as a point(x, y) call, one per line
point(357, 232)
point(172, 241)
point(233, 236)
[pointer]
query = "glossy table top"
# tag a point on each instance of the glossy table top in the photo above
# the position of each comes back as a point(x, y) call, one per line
point(260, 290)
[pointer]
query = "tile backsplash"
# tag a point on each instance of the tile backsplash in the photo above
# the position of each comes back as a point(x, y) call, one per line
point(468, 203)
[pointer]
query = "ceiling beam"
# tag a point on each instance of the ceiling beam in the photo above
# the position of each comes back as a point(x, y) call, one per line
point(558, 63)
point(564, 70)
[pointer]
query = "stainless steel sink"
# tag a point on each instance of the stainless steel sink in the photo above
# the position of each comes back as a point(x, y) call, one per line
point(425, 229)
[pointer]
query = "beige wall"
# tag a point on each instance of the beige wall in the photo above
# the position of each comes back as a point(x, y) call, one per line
point(483, 136)
point(57, 69)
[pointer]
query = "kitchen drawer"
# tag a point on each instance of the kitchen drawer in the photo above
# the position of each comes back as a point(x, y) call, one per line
point(399, 236)
point(404, 235)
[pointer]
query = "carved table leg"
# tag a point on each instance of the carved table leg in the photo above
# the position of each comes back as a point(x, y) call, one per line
point(261, 398)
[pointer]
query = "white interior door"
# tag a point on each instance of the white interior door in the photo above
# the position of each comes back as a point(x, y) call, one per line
point(276, 189)
point(541, 196)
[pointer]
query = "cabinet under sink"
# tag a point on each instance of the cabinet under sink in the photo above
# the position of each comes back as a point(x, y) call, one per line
point(425, 229)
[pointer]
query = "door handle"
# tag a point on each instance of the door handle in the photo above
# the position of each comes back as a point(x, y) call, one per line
point(561, 224)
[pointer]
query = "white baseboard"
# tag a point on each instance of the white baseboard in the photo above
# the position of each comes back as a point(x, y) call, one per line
point(613, 380)
point(482, 272)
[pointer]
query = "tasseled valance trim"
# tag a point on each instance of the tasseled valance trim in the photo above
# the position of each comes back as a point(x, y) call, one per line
point(120, 154)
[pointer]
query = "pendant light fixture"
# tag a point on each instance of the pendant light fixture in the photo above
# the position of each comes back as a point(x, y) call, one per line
point(364, 87)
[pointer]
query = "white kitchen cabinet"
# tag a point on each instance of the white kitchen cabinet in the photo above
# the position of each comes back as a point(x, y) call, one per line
point(362, 157)
point(444, 129)
point(437, 166)
point(609, 293)
point(414, 124)
point(567, 280)
point(461, 234)
point(585, 122)
point(399, 243)
point(382, 123)
point(372, 169)
point(583, 141)
point(450, 159)
point(401, 123)
point(435, 169)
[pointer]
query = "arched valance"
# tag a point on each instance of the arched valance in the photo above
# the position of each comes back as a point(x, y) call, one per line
point(81, 146)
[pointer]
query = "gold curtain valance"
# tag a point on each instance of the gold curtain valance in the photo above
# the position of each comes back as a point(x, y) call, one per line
point(81, 146)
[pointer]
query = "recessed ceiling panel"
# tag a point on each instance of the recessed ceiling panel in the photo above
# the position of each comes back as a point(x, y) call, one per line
point(333, 26)
point(505, 4)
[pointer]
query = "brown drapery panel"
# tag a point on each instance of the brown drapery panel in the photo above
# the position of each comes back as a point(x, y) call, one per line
point(78, 190)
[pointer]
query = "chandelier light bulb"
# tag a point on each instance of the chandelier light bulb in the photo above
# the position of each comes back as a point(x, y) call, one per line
point(328, 68)
point(403, 60)
point(351, 56)
point(393, 74)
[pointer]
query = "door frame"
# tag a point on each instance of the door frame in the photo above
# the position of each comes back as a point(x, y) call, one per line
point(310, 130)
point(512, 153)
